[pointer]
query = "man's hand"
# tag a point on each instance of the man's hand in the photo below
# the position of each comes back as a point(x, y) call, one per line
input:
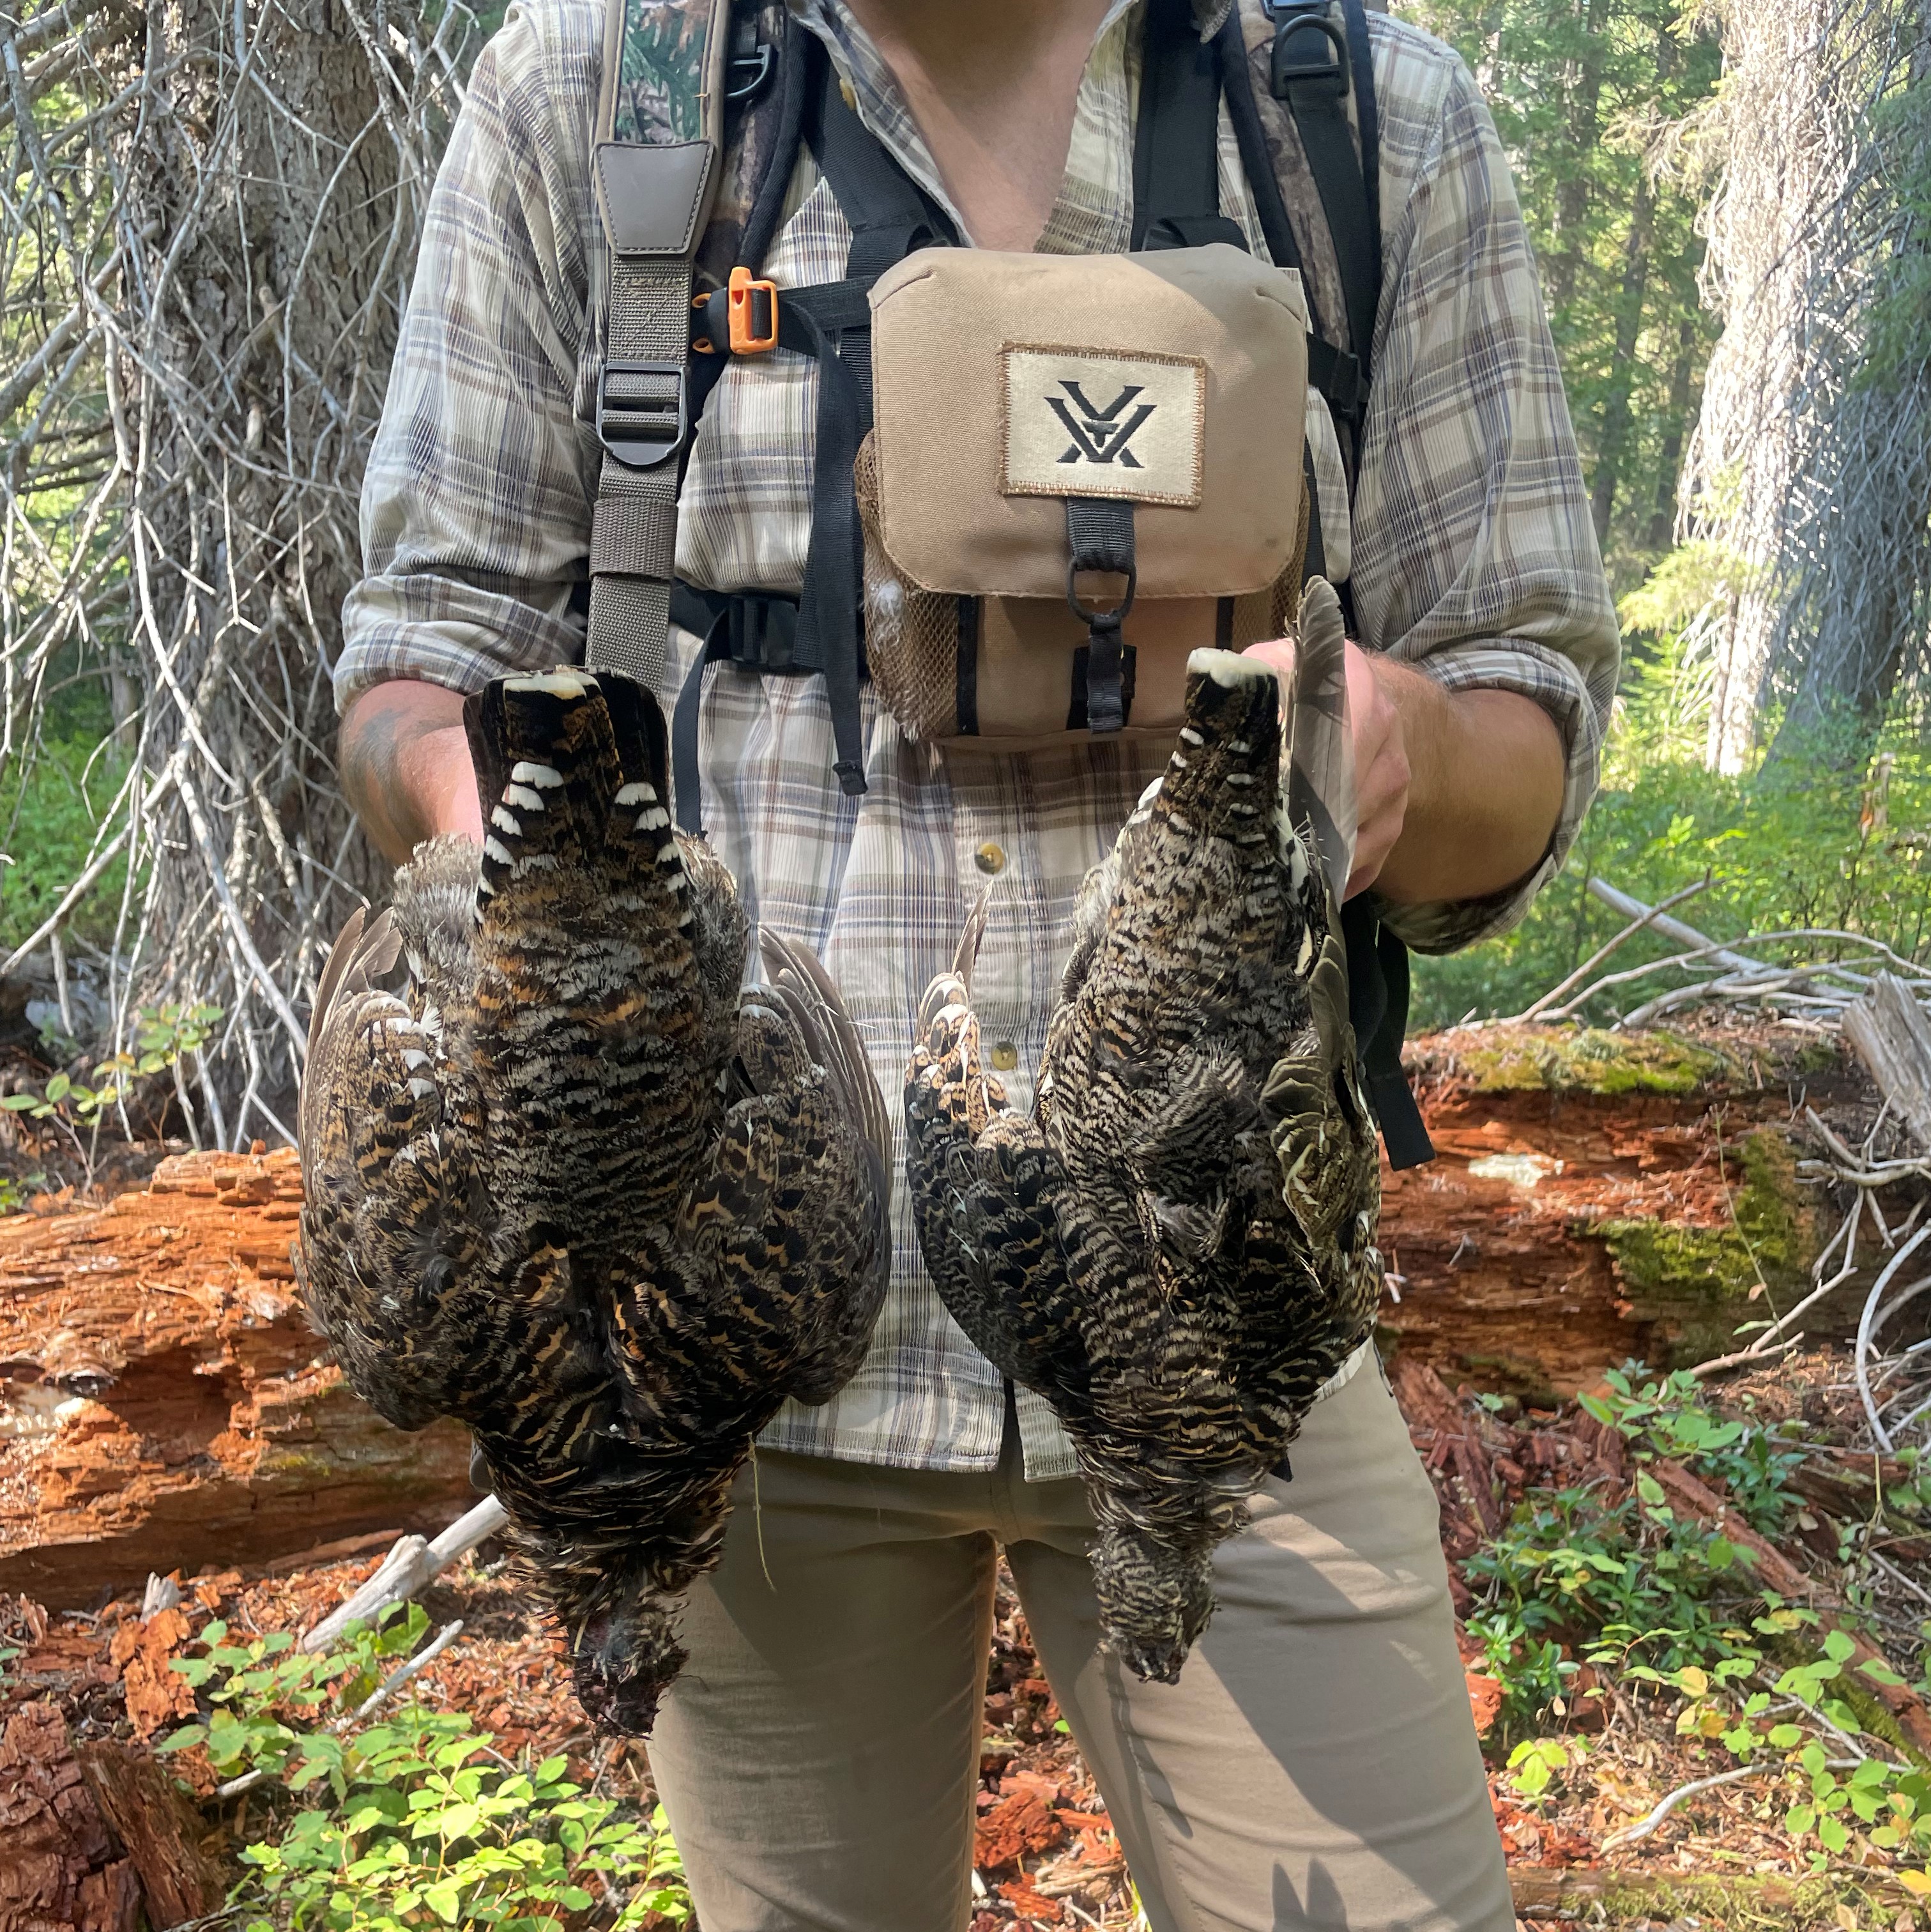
point(405, 766)
point(1456, 793)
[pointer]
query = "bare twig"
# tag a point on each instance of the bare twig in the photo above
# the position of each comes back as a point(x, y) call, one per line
point(1871, 1320)
point(397, 1677)
point(1632, 1835)
point(407, 1569)
point(1648, 918)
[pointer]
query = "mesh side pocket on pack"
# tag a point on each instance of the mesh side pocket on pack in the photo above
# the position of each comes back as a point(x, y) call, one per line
point(911, 635)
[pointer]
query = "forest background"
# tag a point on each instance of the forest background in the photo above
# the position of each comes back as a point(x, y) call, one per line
point(209, 211)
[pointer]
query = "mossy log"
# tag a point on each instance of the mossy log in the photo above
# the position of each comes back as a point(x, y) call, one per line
point(1696, 1285)
point(1599, 1197)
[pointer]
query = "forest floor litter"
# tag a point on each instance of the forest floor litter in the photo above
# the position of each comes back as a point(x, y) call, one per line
point(1598, 1200)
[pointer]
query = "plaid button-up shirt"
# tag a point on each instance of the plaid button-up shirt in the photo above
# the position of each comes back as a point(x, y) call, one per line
point(1472, 559)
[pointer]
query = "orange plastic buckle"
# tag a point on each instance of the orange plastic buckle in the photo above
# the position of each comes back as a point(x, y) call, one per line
point(743, 293)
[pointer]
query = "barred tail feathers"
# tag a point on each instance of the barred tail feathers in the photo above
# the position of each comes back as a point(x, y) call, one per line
point(571, 768)
point(1320, 777)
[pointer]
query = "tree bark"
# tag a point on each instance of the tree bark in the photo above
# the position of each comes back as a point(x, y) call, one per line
point(1615, 431)
point(1810, 470)
point(1572, 201)
point(278, 210)
point(1682, 376)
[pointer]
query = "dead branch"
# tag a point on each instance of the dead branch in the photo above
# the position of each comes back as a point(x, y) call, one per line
point(207, 246)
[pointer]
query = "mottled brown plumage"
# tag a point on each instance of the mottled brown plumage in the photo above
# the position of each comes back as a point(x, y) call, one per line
point(1177, 1248)
point(564, 1183)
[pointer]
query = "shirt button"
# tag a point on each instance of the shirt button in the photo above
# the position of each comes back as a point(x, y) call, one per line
point(1005, 1056)
point(989, 858)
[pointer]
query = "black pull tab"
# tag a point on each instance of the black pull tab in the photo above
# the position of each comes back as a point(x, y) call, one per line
point(1099, 537)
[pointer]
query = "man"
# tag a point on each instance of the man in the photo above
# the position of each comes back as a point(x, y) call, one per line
point(1316, 1764)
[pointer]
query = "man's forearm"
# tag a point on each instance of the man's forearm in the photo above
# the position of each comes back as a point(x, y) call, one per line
point(405, 766)
point(1485, 790)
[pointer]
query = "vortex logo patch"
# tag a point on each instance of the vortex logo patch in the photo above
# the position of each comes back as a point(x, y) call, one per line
point(1083, 422)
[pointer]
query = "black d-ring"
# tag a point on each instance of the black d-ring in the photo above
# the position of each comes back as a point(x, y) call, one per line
point(1288, 69)
point(1102, 620)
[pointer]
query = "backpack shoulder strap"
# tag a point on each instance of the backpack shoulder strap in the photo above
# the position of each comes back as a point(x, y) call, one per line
point(1319, 57)
point(1176, 138)
point(660, 121)
point(1316, 62)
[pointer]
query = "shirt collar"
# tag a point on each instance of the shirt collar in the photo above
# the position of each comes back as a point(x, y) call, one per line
point(880, 102)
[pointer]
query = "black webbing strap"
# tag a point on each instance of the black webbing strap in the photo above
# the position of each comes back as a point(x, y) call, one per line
point(1367, 115)
point(889, 217)
point(1311, 70)
point(965, 684)
point(1176, 145)
point(1256, 163)
point(749, 629)
point(767, 207)
point(1333, 371)
point(1099, 537)
point(1378, 1006)
point(1306, 39)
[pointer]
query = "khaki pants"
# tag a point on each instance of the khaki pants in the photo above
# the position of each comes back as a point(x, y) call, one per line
point(1316, 1766)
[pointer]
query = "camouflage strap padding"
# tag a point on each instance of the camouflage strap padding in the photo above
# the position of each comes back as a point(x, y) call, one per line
point(659, 122)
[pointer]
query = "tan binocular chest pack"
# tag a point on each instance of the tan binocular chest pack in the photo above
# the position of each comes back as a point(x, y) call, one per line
point(1080, 469)
point(1038, 481)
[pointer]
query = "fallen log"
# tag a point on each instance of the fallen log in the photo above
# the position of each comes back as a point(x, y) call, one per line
point(1602, 1896)
point(164, 1403)
point(158, 1828)
point(1595, 1198)
point(63, 1872)
point(1890, 1033)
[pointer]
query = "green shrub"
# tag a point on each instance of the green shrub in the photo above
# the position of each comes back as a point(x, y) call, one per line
point(413, 1819)
point(51, 801)
point(1574, 1578)
point(1793, 844)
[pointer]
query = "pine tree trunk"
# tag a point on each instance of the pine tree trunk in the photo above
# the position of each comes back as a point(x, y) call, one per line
point(1615, 432)
point(1810, 469)
point(270, 163)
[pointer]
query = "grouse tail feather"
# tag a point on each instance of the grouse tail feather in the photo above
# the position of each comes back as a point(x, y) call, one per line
point(570, 768)
point(1320, 779)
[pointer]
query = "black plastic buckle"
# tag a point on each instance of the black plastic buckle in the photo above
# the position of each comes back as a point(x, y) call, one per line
point(1337, 375)
point(762, 631)
point(1295, 19)
point(640, 433)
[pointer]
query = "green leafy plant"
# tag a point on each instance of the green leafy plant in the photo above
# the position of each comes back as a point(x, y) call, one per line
point(1672, 1417)
point(163, 1035)
point(1535, 1762)
point(1575, 1578)
point(51, 802)
point(414, 1818)
point(1578, 1580)
point(1844, 1797)
point(1798, 843)
point(16, 1192)
point(1571, 1579)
